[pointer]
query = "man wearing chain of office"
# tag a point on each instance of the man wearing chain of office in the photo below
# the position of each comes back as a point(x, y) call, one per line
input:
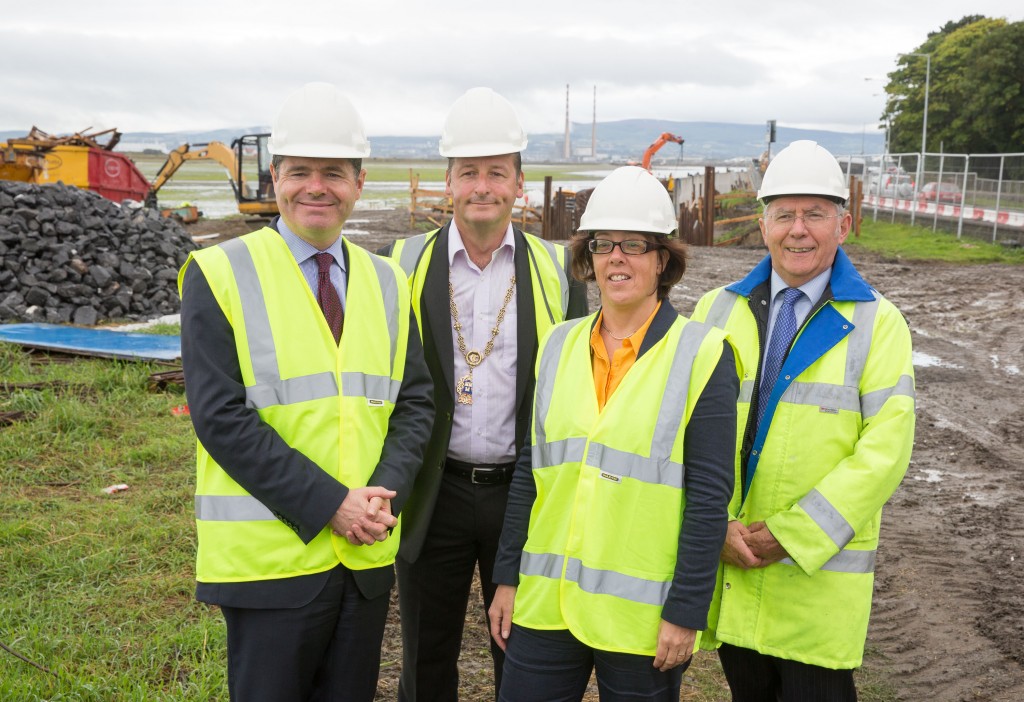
point(484, 293)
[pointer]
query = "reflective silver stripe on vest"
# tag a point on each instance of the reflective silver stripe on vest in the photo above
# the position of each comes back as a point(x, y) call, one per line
point(411, 250)
point(608, 582)
point(389, 290)
point(721, 308)
point(269, 388)
point(232, 508)
point(563, 279)
point(746, 391)
point(555, 453)
point(291, 391)
point(372, 387)
point(658, 468)
point(823, 395)
point(845, 396)
point(859, 340)
point(654, 468)
point(546, 381)
point(827, 517)
point(629, 465)
point(871, 403)
point(262, 352)
point(673, 400)
point(546, 565)
point(846, 561)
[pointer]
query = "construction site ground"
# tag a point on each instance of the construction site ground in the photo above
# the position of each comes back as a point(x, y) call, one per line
point(948, 618)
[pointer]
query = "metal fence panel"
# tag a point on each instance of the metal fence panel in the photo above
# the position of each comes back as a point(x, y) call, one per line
point(975, 195)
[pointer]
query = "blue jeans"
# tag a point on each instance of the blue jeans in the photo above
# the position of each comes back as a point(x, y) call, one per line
point(553, 666)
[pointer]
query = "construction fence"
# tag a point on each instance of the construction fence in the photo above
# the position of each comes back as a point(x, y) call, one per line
point(974, 195)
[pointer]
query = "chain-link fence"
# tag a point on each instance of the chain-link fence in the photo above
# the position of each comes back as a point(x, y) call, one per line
point(975, 195)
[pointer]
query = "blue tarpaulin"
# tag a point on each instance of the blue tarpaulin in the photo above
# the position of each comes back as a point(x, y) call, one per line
point(106, 343)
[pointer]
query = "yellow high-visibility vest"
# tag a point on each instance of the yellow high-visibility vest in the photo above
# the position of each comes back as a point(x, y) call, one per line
point(604, 531)
point(330, 402)
point(549, 281)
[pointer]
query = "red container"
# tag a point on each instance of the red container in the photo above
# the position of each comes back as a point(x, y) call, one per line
point(116, 177)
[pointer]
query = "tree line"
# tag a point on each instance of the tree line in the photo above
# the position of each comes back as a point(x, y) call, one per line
point(976, 91)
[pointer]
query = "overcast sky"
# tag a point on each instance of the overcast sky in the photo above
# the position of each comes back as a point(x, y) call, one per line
point(191, 66)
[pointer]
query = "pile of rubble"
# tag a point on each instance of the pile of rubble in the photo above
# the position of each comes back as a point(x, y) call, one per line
point(70, 256)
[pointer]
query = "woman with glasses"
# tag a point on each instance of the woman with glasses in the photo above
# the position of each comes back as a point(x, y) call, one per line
point(618, 508)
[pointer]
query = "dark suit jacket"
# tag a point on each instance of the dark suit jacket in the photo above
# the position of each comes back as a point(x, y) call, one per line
point(437, 347)
point(297, 490)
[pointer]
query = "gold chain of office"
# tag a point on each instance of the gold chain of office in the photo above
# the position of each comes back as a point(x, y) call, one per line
point(464, 385)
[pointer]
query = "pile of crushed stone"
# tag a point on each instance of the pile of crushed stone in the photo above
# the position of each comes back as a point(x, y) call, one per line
point(68, 255)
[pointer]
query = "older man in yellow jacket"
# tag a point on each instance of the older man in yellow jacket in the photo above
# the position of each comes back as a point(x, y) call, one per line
point(825, 430)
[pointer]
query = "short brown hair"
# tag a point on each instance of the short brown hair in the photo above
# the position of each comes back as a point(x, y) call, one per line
point(583, 261)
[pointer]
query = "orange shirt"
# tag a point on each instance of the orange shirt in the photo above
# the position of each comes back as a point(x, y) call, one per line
point(608, 374)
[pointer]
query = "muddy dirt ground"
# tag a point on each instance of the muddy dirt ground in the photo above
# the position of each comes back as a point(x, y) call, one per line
point(948, 619)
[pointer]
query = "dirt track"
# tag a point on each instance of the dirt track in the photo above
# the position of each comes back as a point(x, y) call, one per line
point(948, 620)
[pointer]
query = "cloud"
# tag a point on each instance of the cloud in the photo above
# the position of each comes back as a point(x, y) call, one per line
point(204, 65)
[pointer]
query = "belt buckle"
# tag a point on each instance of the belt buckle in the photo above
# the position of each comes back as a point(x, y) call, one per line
point(472, 476)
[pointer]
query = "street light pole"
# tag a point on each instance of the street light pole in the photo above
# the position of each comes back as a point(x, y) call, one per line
point(924, 126)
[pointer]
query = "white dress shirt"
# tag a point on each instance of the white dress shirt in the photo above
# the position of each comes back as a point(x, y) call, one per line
point(485, 431)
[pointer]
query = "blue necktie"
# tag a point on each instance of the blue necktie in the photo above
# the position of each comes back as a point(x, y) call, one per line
point(782, 336)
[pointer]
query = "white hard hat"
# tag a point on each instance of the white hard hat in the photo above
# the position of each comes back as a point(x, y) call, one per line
point(629, 199)
point(318, 121)
point(481, 123)
point(804, 168)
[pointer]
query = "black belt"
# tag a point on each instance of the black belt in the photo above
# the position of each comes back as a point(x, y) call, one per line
point(481, 473)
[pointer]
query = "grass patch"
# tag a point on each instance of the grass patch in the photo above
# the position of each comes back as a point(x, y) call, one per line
point(162, 329)
point(98, 588)
point(906, 243)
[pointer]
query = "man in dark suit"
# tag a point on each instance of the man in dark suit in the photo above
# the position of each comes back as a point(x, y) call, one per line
point(312, 404)
point(484, 293)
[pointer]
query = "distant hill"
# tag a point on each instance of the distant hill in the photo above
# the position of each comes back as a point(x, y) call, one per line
point(617, 141)
point(706, 141)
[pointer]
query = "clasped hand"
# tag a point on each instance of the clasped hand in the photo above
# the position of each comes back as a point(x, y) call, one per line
point(751, 547)
point(365, 517)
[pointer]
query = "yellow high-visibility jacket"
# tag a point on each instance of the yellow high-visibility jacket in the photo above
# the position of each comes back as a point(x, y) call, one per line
point(833, 446)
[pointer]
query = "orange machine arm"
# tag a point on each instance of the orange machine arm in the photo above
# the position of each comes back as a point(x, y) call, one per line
point(653, 148)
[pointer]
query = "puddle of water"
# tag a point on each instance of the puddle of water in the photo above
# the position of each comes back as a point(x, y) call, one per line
point(924, 360)
point(1011, 369)
point(930, 475)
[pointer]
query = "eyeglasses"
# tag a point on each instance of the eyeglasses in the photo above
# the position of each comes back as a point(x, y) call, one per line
point(811, 220)
point(632, 247)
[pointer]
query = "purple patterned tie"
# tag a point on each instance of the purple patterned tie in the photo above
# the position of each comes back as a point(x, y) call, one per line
point(783, 332)
point(327, 295)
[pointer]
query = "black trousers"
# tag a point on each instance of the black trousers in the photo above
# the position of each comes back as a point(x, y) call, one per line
point(755, 677)
point(325, 651)
point(433, 592)
point(554, 666)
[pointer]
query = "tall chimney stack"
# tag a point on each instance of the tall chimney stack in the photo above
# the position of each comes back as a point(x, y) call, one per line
point(566, 151)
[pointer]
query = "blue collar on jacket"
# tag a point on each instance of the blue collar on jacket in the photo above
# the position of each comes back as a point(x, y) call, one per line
point(846, 283)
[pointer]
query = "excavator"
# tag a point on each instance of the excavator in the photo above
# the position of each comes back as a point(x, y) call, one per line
point(658, 143)
point(247, 162)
